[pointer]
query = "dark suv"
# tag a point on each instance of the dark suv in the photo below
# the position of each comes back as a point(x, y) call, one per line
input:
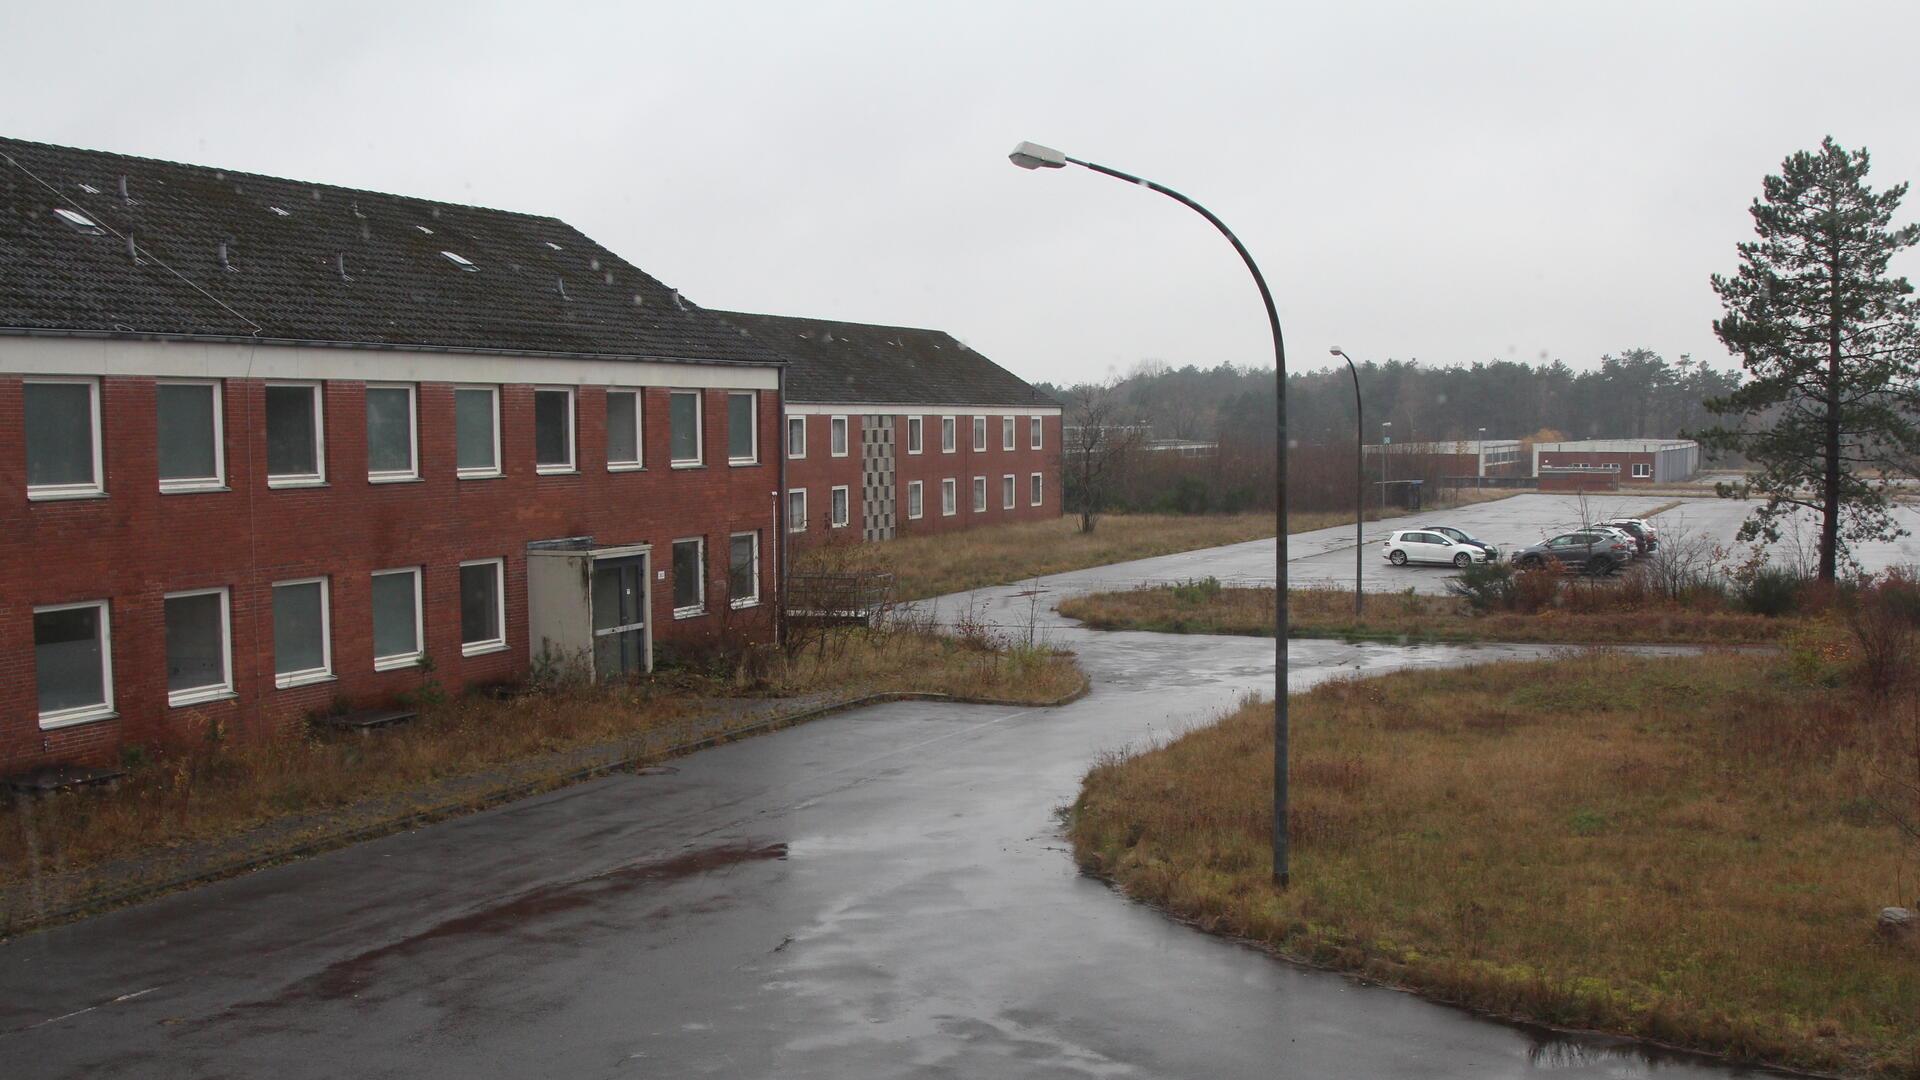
point(1590, 552)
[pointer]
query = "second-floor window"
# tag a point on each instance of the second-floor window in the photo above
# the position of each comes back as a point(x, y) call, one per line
point(623, 429)
point(1006, 433)
point(1034, 428)
point(743, 428)
point(63, 438)
point(683, 421)
point(296, 435)
point(913, 434)
point(979, 433)
point(392, 438)
point(946, 434)
point(837, 436)
point(476, 431)
point(796, 437)
point(553, 430)
point(188, 436)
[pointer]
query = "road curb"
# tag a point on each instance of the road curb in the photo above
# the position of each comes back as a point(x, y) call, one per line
point(220, 871)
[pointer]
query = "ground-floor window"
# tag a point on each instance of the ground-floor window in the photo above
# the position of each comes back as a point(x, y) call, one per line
point(302, 645)
point(1006, 492)
point(689, 577)
point(1033, 489)
point(913, 499)
point(979, 494)
point(839, 519)
point(797, 510)
point(743, 569)
point(198, 646)
point(1642, 471)
point(73, 662)
point(483, 606)
point(949, 497)
point(396, 618)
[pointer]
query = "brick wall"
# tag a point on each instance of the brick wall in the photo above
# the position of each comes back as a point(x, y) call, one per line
point(1622, 463)
point(137, 544)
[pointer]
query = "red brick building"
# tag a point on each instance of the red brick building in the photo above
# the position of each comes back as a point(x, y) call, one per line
point(269, 448)
point(1590, 464)
point(895, 431)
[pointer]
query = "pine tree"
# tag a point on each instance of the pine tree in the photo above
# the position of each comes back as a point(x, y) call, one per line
point(1828, 342)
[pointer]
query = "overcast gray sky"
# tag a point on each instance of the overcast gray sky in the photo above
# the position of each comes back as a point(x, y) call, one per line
point(1453, 182)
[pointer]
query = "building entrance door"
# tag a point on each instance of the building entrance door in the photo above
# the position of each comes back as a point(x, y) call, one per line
point(620, 617)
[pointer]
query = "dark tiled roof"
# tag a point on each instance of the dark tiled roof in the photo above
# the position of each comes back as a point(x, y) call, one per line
point(287, 241)
point(856, 363)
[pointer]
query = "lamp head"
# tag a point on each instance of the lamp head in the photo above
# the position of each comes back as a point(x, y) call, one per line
point(1336, 351)
point(1034, 156)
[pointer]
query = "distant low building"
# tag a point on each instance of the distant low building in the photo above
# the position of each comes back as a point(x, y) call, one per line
point(1626, 461)
point(1454, 457)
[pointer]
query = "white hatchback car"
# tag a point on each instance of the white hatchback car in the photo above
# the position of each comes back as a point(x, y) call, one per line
point(1422, 546)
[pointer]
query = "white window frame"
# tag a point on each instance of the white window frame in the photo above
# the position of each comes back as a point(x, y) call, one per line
point(323, 673)
point(916, 434)
point(949, 497)
point(197, 695)
point(1642, 471)
point(979, 495)
point(753, 429)
point(1009, 491)
point(1036, 431)
point(737, 602)
point(1036, 489)
point(839, 506)
point(490, 645)
point(572, 464)
point(218, 481)
point(92, 489)
point(402, 660)
point(699, 606)
point(699, 458)
point(797, 523)
point(472, 472)
point(839, 436)
point(639, 460)
point(85, 714)
point(980, 434)
point(799, 424)
point(949, 434)
point(1006, 433)
point(916, 500)
point(317, 478)
point(396, 476)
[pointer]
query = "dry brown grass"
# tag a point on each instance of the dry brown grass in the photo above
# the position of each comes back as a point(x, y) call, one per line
point(213, 790)
point(1676, 848)
point(1204, 607)
point(975, 558)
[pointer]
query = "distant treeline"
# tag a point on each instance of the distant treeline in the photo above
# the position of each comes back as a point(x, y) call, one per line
point(1636, 394)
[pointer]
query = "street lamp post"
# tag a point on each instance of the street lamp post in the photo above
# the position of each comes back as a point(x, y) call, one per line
point(1386, 461)
point(1359, 480)
point(1031, 156)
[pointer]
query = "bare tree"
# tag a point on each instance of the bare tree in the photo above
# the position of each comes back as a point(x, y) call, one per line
point(1098, 450)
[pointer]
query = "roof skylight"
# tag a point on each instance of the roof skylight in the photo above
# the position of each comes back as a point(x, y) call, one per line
point(89, 189)
point(279, 211)
point(555, 246)
point(79, 221)
point(460, 261)
point(424, 229)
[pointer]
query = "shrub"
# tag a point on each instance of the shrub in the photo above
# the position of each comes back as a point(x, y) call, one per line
point(1197, 590)
point(1535, 588)
point(1771, 591)
point(1883, 616)
point(1487, 586)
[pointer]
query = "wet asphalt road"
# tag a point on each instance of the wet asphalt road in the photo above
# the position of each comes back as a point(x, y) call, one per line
point(879, 893)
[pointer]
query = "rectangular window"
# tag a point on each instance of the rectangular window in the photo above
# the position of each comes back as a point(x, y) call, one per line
point(1642, 470)
point(743, 569)
point(393, 438)
point(797, 510)
point(1033, 490)
point(1006, 492)
point(837, 436)
point(796, 437)
point(913, 434)
point(63, 438)
point(188, 436)
point(396, 618)
point(947, 434)
point(979, 433)
point(839, 520)
point(296, 435)
point(483, 606)
point(199, 644)
point(689, 577)
point(302, 641)
point(1034, 427)
point(979, 494)
point(553, 430)
point(913, 500)
point(743, 428)
point(623, 429)
point(476, 431)
point(1006, 433)
point(73, 663)
point(949, 498)
point(683, 422)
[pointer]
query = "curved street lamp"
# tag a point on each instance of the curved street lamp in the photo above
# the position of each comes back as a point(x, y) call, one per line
point(1359, 479)
point(1033, 156)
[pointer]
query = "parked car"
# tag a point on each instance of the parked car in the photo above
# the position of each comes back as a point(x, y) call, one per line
point(1587, 551)
point(1461, 536)
point(1429, 546)
point(1642, 529)
point(1627, 544)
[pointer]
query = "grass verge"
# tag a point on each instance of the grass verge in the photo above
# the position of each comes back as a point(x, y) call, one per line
point(218, 789)
point(1207, 607)
point(1686, 849)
